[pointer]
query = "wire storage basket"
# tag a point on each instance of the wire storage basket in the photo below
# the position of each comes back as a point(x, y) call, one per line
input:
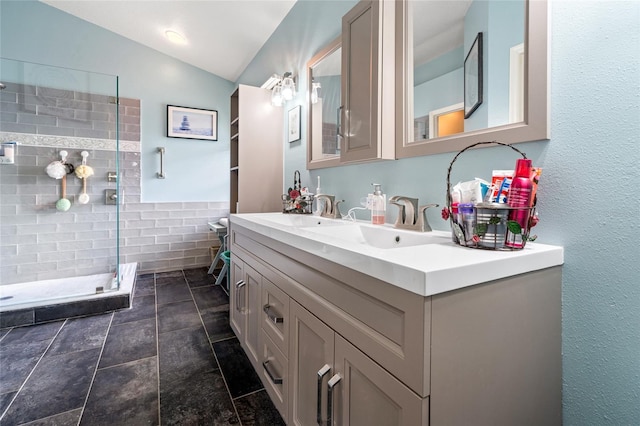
point(299, 205)
point(297, 199)
point(488, 226)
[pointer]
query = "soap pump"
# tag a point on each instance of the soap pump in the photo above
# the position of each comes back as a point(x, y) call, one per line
point(378, 205)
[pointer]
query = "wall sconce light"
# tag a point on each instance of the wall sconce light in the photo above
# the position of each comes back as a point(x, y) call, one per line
point(314, 92)
point(288, 87)
point(276, 96)
point(282, 88)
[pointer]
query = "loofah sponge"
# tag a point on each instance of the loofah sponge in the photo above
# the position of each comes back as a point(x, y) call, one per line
point(84, 171)
point(56, 169)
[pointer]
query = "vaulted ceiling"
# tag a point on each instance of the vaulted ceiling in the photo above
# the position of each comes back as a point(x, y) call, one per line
point(222, 36)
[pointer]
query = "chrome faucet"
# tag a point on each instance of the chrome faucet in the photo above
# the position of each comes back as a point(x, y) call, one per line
point(330, 208)
point(410, 215)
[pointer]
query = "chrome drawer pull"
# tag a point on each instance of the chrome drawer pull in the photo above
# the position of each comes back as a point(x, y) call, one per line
point(272, 314)
point(272, 375)
point(321, 373)
point(239, 285)
point(332, 382)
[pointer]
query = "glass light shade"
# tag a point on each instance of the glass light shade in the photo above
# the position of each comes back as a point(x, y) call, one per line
point(276, 96)
point(314, 92)
point(288, 89)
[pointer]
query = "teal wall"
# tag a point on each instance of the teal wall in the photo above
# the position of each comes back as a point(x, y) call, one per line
point(440, 92)
point(595, 146)
point(477, 21)
point(506, 29)
point(309, 26)
point(196, 170)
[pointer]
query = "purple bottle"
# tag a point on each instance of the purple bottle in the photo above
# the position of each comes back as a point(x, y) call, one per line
point(520, 197)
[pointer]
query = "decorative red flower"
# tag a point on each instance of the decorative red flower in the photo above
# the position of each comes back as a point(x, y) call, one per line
point(533, 221)
point(445, 213)
point(476, 239)
point(294, 193)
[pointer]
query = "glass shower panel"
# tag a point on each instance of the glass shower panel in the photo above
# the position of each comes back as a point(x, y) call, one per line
point(59, 221)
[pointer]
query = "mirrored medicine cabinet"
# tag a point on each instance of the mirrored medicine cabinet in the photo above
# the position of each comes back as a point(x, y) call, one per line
point(435, 76)
point(324, 79)
point(435, 43)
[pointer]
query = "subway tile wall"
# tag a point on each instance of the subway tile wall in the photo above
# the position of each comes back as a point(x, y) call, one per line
point(329, 138)
point(37, 242)
point(42, 110)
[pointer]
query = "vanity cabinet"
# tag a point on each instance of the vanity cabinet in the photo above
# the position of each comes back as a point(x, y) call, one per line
point(244, 307)
point(255, 152)
point(367, 116)
point(484, 354)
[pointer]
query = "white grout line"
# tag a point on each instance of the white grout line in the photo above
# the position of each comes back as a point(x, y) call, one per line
point(95, 370)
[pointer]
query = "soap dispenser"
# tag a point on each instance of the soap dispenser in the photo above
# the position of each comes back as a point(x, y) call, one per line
point(378, 205)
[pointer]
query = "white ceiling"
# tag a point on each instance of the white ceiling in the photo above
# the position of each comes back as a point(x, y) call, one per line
point(223, 35)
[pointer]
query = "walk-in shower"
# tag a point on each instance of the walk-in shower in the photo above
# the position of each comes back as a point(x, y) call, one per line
point(59, 230)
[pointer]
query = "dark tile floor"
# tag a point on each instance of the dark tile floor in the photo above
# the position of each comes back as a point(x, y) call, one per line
point(171, 359)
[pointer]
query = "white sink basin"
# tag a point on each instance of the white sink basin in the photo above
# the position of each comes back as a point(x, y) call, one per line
point(378, 236)
point(304, 220)
point(429, 263)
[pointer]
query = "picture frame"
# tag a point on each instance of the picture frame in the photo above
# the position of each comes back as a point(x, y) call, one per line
point(293, 131)
point(473, 77)
point(192, 123)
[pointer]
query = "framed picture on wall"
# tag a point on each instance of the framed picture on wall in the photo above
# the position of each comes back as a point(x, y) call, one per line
point(293, 131)
point(192, 123)
point(473, 77)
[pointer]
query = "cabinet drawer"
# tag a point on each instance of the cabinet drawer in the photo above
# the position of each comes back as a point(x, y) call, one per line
point(275, 315)
point(274, 373)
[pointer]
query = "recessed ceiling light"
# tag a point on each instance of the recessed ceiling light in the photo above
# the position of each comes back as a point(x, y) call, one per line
point(175, 37)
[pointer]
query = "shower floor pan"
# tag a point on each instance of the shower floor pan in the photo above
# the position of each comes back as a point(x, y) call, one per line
point(18, 304)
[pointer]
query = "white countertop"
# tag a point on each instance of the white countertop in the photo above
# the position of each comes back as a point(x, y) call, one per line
point(422, 269)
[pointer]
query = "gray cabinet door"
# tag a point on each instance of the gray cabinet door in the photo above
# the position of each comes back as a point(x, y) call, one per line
point(311, 348)
point(366, 394)
point(253, 291)
point(360, 47)
point(244, 309)
point(237, 299)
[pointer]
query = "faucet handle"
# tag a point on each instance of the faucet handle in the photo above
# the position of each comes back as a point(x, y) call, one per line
point(336, 210)
point(422, 217)
point(401, 214)
point(409, 210)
